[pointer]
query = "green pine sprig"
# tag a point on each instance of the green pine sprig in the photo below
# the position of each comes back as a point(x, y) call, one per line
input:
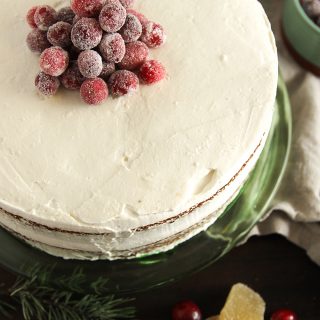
point(65, 298)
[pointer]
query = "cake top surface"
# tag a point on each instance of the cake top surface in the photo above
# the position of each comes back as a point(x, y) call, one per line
point(150, 155)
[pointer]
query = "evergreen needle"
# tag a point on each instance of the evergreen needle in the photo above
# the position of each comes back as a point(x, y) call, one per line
point(65, 298)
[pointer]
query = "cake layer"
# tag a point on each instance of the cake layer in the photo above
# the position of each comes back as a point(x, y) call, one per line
point(147, 239)
point(145, 159)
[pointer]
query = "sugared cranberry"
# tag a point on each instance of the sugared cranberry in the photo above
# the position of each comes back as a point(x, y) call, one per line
point(94, 91)
point(284, 314)
point(127, 3)
point(112, 47)
point(37, 41)
point(186, 310)
point(59, 34)
point(152, 71)
point(30, 17)
point(87, 8)
point(112, 16)
point(108, 68)
point(54, 61)
point(132, 29)
point(123, 82)
point(136, 54)
point(86, 34)
point(142, 18)
point(153, 35)
point(44, 17)
point(90, 63)
point(72, 78)
point(66, 14)
point(75, 19)
point(46, 84)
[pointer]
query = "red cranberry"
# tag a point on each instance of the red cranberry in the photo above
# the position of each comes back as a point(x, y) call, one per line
point(284, 314)
point(112, 16)
point(127, 3)
point(94, 91)
point(37, 41)
point(54, 61)
point(66, 14)
point(132, 29)
point(30, 17)
point(108, 68)
point(136, 54)
point(46, 84)
point(142, 18)
point(112, 47)
point(72, 79)
point(90, 63)
point(87, 8)
point(86, 34)
point(153, 35)
point(59, 34)
point(151, 72)
point(186, 310)
point(123, 82)
point(44, 17)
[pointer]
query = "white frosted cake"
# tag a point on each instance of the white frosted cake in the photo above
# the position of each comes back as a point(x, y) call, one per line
point(140, 174)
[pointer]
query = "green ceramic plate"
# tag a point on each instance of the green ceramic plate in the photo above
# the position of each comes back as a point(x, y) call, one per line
point(198, 252)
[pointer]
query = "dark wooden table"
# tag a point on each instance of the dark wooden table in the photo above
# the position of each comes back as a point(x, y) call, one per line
point(281, 272)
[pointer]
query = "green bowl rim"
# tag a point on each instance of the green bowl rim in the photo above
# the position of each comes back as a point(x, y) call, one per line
point(308, 20)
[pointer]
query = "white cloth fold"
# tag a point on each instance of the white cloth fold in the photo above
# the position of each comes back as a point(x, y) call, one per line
point(296, 207)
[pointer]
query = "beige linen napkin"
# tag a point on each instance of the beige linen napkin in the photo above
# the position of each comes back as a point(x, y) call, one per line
point(299, 196)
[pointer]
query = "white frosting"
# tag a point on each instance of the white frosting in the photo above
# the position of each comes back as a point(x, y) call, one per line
point(138, 160)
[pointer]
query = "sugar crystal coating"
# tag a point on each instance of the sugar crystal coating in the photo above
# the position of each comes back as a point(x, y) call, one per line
point(72, 78)
point(46, 84)
point(44, 17)
point(123, 82)
point(152, 71)
point(132, 29)
point(75, 19)
point(30, 17)
point(54, 61)
point(108, 68)
point(153, 35)
point(112, 47)
point(59, 34)
point(112, 16)
point(142, 18)
point(87, 8)
point(37, 41)
point(66, 14)
point(90, 63)
point(136, 54)
point(94, 91)
point(91, 56)
point(127, 3)
point(86, 33)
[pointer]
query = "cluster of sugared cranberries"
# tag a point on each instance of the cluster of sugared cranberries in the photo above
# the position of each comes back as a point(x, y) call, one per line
point(95, 46)
point(312, 9)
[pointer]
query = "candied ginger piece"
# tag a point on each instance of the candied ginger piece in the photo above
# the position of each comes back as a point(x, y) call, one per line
point(243, 304)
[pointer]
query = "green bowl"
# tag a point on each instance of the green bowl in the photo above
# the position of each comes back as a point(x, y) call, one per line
point(301, 35)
